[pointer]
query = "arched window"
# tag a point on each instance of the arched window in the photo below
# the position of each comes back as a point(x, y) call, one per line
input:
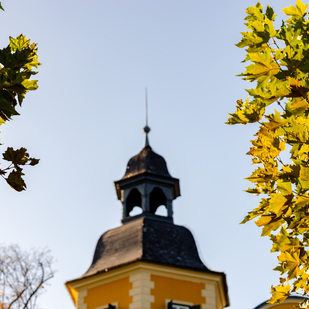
point(161, 211)
point(157, 198)
point(137, 210)
point(134, 203)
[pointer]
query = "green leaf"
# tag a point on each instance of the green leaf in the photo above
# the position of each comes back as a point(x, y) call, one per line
point(17, 157)
point(17, 63)
point(7, 110)
point(16, 181)
point(34, 161)
point(270, 13)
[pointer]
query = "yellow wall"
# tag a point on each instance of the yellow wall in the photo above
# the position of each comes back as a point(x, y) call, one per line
point(116, 291)
point(176, 289)
point(147, 286)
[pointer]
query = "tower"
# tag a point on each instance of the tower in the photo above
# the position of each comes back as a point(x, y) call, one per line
point(148, 262)
point(147, 184)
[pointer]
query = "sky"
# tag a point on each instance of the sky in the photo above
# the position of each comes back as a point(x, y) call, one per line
point(85, 122)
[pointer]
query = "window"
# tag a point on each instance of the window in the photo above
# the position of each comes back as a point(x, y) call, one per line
point(134, 200)
point(172, 305)
point(109, 306)
point(157, 198)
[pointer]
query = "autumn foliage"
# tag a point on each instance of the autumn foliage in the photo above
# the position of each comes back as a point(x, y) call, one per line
point(278, 66)
point(18, 62)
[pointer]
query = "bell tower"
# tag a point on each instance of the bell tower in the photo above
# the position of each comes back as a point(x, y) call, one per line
point(148, 262)
point(147, 184)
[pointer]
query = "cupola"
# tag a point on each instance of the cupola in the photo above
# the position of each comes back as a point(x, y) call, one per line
point(147, 184)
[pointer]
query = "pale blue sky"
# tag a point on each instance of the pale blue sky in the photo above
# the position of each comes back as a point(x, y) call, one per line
point(85, 122)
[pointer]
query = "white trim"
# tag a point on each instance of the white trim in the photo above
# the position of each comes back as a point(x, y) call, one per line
point(141, 290)
point(80, 304)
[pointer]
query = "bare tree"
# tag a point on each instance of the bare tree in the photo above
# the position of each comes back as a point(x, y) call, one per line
point(23, 274)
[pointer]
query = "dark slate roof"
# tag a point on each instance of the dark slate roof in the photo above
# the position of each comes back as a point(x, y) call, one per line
point(296, 297)
point(147, 161)
point(149, 240)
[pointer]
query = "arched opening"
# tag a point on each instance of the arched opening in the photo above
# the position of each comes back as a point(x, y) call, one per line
point(134, 203)
point(137, 210)
point(157, 198)
point(161, 211)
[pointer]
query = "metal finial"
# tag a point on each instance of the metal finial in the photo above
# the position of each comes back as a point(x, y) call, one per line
point(146, 128)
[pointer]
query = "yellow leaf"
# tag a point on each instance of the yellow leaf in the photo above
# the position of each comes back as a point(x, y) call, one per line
point(299, 10)
point(302, 201)
point(290, 258)
point(282, 280)
point(304, 177)
point(285, 187)
point(279, 293)
point(277, 200)
point(268, 228)
point(263, 220)
point(299, 103)
point(275, 121)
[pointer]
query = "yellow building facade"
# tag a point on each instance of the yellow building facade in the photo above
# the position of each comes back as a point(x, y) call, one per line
point(148, 262)
point(143, 285)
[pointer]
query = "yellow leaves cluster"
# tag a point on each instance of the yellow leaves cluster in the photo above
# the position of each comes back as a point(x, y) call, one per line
point(281, 75)
point(263, 67)
point(279, 293)
point(267, 146)
point(298, 11)
point(247, 112)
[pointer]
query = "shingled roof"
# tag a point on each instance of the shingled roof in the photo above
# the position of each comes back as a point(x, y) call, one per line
point(149, 240)
point(147, 161)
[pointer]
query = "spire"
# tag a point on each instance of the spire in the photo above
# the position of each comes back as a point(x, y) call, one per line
point(146, 128)
point(147, 183)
